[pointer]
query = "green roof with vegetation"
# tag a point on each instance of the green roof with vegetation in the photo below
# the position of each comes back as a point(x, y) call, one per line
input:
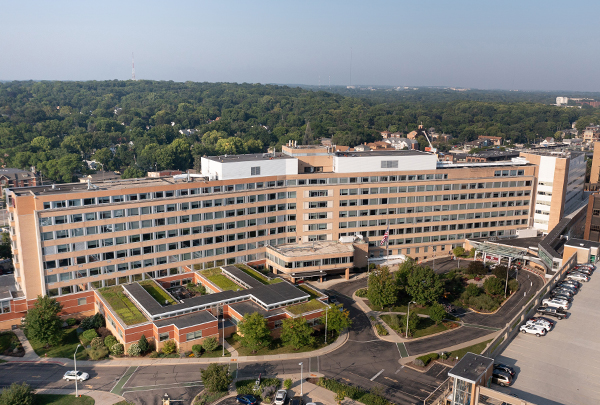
point(257, 275)
point(313, 294)
point(156, 292)
point(122, 305)
point(305, 307)
point(217, 278)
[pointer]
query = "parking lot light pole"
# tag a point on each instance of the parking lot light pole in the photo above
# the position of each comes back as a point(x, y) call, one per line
point(408, 316)
point(75, 365)
point(301, 366)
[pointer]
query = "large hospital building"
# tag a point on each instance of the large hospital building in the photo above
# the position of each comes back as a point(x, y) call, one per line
point(306, 212)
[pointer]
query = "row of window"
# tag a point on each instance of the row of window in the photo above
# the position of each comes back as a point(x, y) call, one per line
point(439, 238)
point(135, 212)
point(309, 263)
point(422, 198)
point(433, 187)
point(366, 224)
point(152, 223)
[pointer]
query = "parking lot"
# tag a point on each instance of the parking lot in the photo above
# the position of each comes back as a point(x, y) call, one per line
point(562, 367)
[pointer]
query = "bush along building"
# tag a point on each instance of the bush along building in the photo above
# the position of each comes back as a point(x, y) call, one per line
point(306, 213)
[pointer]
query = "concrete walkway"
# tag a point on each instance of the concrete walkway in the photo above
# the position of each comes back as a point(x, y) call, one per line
point(135, 361)
point(100, 397)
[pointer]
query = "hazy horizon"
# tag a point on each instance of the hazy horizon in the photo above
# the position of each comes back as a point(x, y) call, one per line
point(508, 45)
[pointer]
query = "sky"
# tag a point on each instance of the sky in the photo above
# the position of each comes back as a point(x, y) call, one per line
point(484, 44)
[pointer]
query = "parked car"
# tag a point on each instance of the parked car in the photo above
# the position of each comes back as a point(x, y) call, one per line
point(560, 296)
point(567, 286)
point(504, 368)
point(574, 283)
point(546, 319)
point(75, 375)
point(540, 322)
point(551, 311)
point(556, 303)
point(297, 401)
point(584, 270)
point(587, 265)
point(333, 300)
point(563, 291)
point(280, 397)
point(533, 329)
point(246, 399)
point(501, 378)
point(578, 277)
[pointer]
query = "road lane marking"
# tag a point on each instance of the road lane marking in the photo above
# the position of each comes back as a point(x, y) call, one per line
point(118, 388)
point(402, 350)
point(391, 379)
point(377, 375)
point(397, 371)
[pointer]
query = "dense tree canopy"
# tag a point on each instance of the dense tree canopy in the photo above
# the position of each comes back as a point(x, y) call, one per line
point(54, 126)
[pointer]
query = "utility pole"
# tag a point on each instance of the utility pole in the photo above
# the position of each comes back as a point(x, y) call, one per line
point(301, 366)
point(408, 316)
point(76, 377)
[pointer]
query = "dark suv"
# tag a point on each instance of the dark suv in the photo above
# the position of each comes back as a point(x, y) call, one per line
point(550, 311)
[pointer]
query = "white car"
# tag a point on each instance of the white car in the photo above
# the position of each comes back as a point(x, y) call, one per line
point(540, 322)
point(578, 277)
point(75, 375)
point(280, 397)
point(555, 303)
point(533, 329)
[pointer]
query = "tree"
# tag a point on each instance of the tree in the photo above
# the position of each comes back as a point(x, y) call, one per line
point(338, 318)
point(424, 286)
point(382, 288)
point(476, 268)
point(472, 252)
point(458, 251)
point(254, 332)
point(17, 394)
point(42, 323)
point(296, 333)
point(216, 378)
point(230, 146)
point(210, 344)
point(500, 272)
point(143, 344)
point(132, 173)
point(437, 313)
point(5, 250)
point(308, 135)
point(494, 286)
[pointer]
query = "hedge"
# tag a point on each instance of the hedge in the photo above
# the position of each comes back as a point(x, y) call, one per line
point(355, 393)
point(245, 387)
point(422, 361)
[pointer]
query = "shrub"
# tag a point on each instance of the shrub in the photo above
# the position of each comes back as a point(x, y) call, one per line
point(93, 322)
point(381, 330)
point(17, 394)
point(98, 353)
point(110, 340)
point(472, 290)
point(245, 387)
point(513, 285)
point(437, 313)
point(483, 303)
point(395, 322)
point(197, 349)
point(500, 272)
point(143, 344)
point(97, 342)
point(458, 251)
point(362, 293)
point(169, 347)
point(103, 332)
point(134, 350)
point(117, 349)
point(87, 336)
point(268, 392)
point(476, 268)
point(216, 377)
point(494, 286)
point(154, 355)
point(422, 361)
point(71, 321)
point(287, 384)
point(210, 344)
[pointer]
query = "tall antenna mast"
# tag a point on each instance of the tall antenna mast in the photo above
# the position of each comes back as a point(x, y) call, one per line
point(132, 67)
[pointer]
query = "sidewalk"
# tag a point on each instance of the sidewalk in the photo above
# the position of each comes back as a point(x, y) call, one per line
point(100, 397)
point(133, 361)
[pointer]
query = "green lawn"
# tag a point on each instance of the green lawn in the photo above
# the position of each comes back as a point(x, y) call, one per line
point(65, 349)
point(476, 349)
point(156, 292)
point(6, 338)
point(308, 306)
point(218, 352)
point(49, 399)
point(224, 283)
point(122, 305)
point(426, 326)
point(277, 347)
point(256, 275)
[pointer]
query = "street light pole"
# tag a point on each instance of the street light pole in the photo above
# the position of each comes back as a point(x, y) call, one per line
point(301, 366)
point(408, 316)
point(326, 309)
point(223, 327)
point(75, 365)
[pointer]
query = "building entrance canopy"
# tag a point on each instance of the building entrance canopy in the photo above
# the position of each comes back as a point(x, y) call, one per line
point(497, 252)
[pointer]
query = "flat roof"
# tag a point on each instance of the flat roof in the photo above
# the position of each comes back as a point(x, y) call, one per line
point(313, 248)
point(471, 367)
point(582, 243)
point(248, 307)
point(242, 276)
point(398, 153)
point(248, 158)
point(8, 284)
point(185, 321)
point(527, 243)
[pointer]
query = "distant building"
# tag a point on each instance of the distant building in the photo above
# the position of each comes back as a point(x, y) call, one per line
point(164, 173)
point(549, 141)
point(187, 132)
point(101, 176)
point(490, 140)
point(591, 133)
point(562, 100)
point(403, 143)
point(17, 178)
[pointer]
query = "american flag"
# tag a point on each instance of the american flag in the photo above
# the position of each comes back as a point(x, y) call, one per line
point(386, 235)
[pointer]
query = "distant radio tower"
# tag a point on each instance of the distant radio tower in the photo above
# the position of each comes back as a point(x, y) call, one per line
point(132, 67)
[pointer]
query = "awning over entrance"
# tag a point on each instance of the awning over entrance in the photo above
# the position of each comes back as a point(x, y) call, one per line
point(497, 251)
